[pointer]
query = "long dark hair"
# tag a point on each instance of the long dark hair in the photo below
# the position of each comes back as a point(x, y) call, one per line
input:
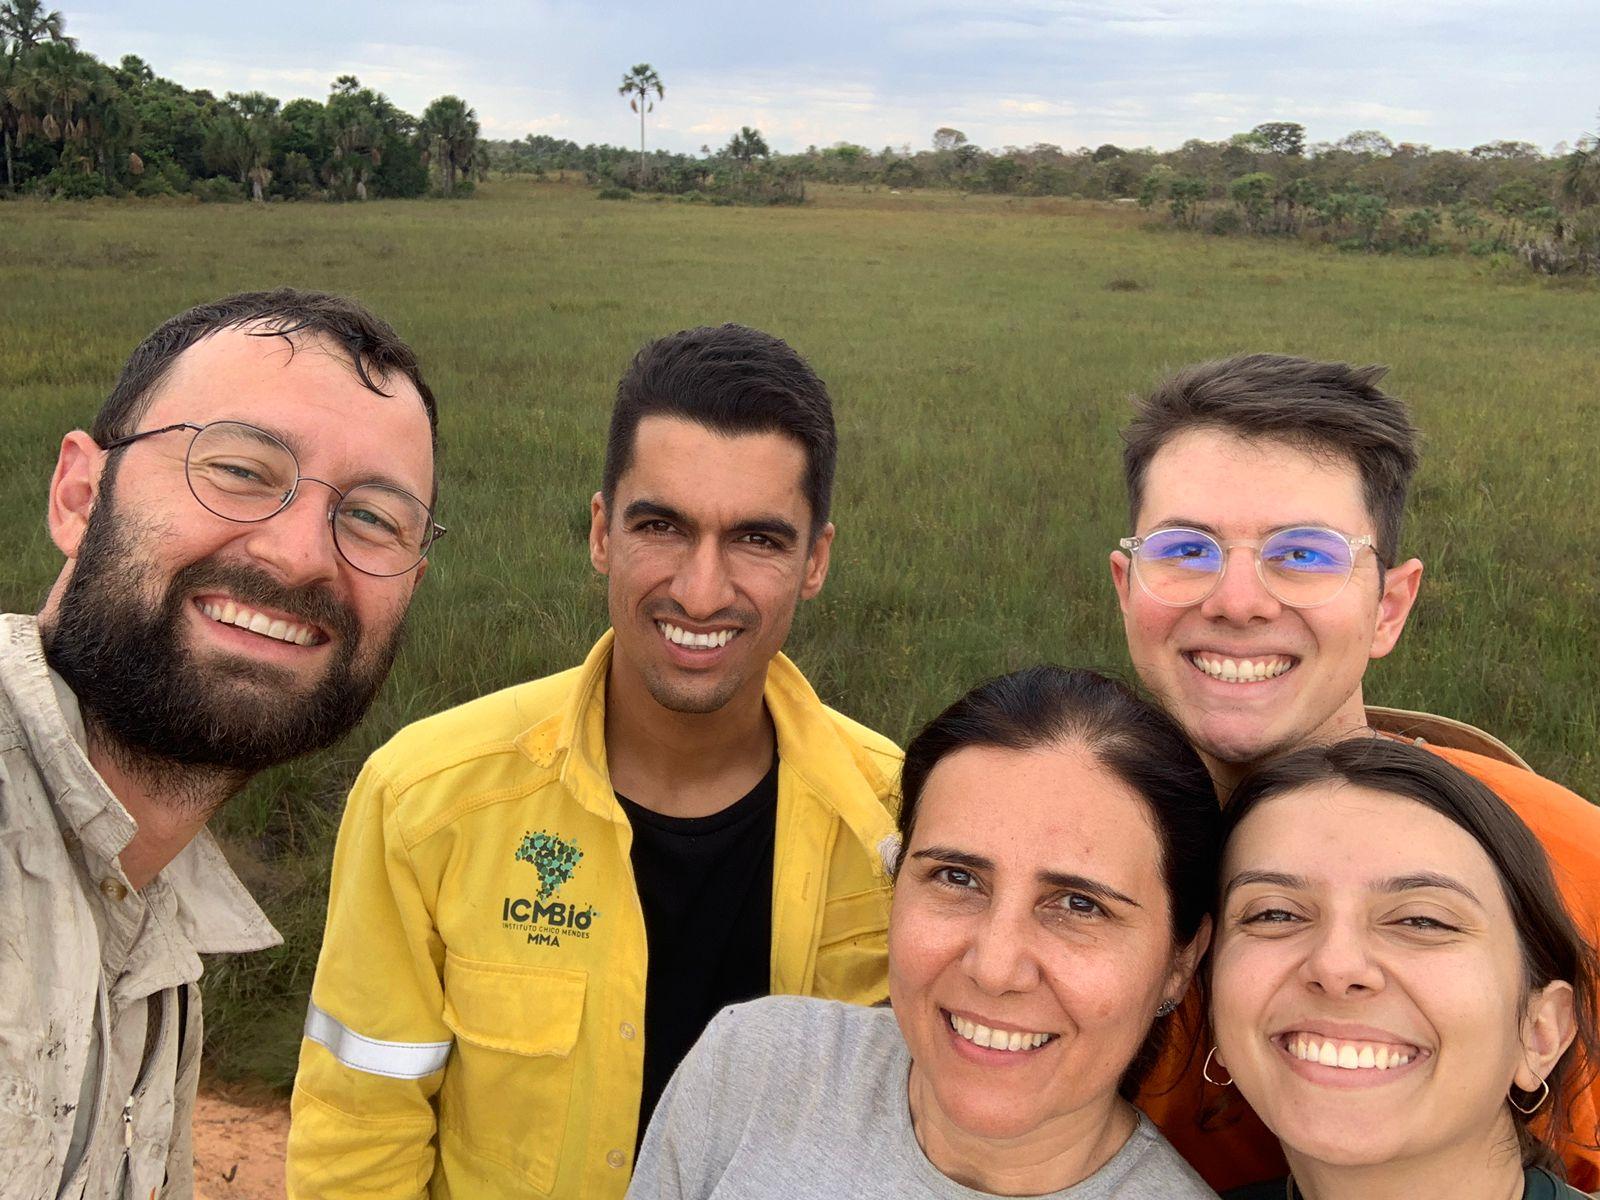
point(1552, 947)
point(1135, 741)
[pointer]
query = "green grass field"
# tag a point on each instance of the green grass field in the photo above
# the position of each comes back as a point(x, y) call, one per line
point(980, 351)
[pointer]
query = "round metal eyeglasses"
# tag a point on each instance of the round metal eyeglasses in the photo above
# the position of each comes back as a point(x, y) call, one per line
point(245, 474)
point(1301, 567)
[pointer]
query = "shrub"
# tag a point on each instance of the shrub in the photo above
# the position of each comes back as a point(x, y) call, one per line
point(71, 184)
point(1224, 222)
point(614, 193)
point(218, 190)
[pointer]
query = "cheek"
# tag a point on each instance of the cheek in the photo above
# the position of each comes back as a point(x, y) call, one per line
point(921, 946)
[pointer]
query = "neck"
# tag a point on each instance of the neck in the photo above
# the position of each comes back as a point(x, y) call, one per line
point(169, 803)
point(685, 764)
point(1064, 1151)
point(1489, 1169)
point(1348, 720)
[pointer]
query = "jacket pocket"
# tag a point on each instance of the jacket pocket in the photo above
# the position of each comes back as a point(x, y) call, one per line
point(505, 1097)
point(853, 949)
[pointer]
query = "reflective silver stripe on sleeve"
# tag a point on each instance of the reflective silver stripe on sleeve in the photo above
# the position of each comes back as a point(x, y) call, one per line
point(397, 1060)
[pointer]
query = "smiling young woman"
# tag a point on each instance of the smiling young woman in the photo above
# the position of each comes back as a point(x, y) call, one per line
point(1397, 989)
point(1052, 887)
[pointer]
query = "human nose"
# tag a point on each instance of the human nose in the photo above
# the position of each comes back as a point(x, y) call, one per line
point(296, 543)
point(999, 958)
point(702, 585)
point(1340, 963)
point(1240, 597)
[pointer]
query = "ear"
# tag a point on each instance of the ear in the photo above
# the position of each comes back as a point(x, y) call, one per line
point(1187, 961)
point(599, 534)
point(416, 580)
point(74, 488)
point(1400, 586)
point(1548, 1028)
point(817, 559)
point(1121, 577)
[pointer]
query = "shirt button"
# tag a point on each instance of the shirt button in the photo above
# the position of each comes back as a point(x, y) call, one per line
point(113, 890)
point(628, 1032)
point(617, 1159)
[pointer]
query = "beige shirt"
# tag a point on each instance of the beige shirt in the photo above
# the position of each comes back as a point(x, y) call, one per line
point(97, 996)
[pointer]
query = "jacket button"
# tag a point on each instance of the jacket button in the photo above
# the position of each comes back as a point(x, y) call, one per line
point(113, 890)
point(617, 1159)
point(628, 1032)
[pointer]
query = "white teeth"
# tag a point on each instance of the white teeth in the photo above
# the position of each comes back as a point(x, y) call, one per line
point(696, 641)
point(229, 613)
point(1348, 1056)
point(997, 1039)
point(1243, 670)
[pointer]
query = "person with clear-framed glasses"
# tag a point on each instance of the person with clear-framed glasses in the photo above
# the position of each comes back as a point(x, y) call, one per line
point(1261, 576)
point(243, 528)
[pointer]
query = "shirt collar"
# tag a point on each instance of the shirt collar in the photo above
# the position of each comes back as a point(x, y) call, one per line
point(214, 910)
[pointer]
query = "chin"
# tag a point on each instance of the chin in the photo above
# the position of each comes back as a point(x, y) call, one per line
point(1344, 1143)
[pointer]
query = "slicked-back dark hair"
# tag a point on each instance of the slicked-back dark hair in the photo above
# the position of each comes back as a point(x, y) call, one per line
point(1048, 706)
point(1323, 408)
point(733, 380)
point(1552, 946)
point(375, 350)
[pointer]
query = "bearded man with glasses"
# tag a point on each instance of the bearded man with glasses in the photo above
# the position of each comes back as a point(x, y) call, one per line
point(1262, 574)
point(244, 526)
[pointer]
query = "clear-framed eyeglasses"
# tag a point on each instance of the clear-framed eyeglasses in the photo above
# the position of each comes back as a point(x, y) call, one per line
point(1301, 567)
point(245, 474)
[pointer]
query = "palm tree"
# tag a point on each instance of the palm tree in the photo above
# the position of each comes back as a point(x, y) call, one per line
point(639, 83)
point(1580, 182)
point(241, 137)
point(453, 127)
point(24, 24)
point(746, 145)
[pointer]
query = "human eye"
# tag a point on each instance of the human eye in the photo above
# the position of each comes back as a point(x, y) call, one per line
point(1078, 905)
point(1270, 917)
point(761, 541)
point(1180, 548)
point(954, 877)
point(1309, 550)
point(655, 525)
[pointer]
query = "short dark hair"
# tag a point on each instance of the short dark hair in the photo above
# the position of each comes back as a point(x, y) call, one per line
point(733, 380)
point(372, 345)
point(1552, 946)
point(1134, 740)
point(1323, 408)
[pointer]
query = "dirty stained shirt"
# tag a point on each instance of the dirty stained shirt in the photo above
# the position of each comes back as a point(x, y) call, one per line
point(98, 1004)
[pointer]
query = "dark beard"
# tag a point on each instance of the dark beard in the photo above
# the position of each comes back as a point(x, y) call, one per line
point(159, 710)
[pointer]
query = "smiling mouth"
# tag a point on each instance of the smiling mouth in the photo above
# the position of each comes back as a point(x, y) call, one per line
point(230, 612)
point(1241, 670)
point(696, 641)
point(997, 1039)
point(1347, 1055)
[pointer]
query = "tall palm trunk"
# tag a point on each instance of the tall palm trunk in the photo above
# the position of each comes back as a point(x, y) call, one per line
point(641, 139)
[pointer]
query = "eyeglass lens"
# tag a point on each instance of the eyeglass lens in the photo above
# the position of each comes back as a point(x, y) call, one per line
point(245, 474)
point(1300, 567)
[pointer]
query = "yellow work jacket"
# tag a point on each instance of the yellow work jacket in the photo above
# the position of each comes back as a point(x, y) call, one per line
point(477, 1021)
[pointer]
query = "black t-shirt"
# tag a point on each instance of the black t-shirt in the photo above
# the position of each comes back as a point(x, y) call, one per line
point(705, 885)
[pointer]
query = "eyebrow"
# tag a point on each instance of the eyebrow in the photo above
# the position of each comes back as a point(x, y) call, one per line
point(1391, 886)
point(1206, 527)
point(1065, 880)
point(772, 526)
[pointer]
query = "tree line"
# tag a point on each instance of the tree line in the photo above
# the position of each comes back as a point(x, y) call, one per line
point(75, 127)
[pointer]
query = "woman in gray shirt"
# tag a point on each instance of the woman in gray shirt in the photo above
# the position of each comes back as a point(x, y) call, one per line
point(1057, 852)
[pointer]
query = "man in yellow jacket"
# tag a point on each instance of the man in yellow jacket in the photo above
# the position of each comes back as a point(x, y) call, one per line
point(541, 897)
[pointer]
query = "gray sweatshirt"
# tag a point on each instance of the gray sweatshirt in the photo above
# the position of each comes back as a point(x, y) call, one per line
point(790, 1098)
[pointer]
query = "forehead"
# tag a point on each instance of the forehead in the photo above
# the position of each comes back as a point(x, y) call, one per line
point(306, 391)
point(1243, 486)
point(714, 475)
point(1050, 808)
point(1341, 835)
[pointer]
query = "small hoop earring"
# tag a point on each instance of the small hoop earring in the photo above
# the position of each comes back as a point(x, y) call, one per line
point(1167, 1008)
point(1205, 1070)
point(1544, 1094)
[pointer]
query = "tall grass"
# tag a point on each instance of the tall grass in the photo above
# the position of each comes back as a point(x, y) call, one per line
point(980, 351)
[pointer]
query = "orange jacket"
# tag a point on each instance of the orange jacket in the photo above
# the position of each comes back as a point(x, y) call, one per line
point(1234, 1148)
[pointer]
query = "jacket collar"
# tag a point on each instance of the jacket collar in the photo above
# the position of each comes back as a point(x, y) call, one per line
point(213, 910)
point(837, 772)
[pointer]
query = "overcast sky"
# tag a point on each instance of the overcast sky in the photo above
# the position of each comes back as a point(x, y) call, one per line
point(1452, 73)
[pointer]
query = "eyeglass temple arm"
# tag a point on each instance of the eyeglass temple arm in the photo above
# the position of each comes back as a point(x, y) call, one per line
point(134, 437)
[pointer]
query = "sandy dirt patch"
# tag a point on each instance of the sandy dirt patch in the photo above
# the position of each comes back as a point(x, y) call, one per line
point(239, 1141)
